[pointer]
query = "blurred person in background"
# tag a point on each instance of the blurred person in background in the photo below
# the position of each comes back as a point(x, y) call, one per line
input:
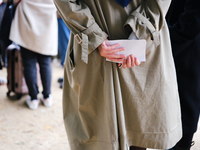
point(35, 29)
point(184, 24)
point(63, 39)
point(3, 44)
point(7, 10)
point(5, 27)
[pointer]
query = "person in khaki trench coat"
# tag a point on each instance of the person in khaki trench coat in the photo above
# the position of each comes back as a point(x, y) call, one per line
point(110, 108)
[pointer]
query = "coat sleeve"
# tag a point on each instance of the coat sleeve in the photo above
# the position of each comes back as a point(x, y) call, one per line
point(187, 26)
point(80, 21)
point(148, 19)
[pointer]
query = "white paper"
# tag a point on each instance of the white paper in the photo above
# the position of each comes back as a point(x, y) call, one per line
point(132, 36)
point(135, 47)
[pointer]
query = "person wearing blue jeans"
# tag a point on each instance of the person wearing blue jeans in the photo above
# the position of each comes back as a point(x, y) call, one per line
point(63, 39)
point(29, 59)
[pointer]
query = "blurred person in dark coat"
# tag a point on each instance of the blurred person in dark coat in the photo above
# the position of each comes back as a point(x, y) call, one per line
point(7, 9)
point(184, 23)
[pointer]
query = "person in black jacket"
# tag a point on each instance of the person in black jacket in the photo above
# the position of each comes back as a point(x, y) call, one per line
point(2, 46)
point(184, 24)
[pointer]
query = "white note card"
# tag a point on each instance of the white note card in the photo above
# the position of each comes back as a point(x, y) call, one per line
point(135, 47)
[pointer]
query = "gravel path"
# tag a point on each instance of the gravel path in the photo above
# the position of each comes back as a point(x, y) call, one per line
point(41, 129)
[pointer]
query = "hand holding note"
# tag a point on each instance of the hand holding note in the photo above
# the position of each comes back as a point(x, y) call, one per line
point(127, 53)
point(135, 47)
point(109, 52)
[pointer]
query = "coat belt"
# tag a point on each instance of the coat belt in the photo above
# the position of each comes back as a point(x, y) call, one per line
point(82, 38)
point(151, 28)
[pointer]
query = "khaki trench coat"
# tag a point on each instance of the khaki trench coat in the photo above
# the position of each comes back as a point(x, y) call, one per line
point(108, 108)
point(35, 26)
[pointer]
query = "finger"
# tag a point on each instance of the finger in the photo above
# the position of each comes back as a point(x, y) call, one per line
point(132, 60)
point(116, 56)
point(137, 61)
point(124, 64)
point(116, 60)
point(114, 46)
point(128, 62)
point(113, 51)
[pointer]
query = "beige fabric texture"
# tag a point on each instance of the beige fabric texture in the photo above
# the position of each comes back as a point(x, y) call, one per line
point(108, 108)
point(35, 26)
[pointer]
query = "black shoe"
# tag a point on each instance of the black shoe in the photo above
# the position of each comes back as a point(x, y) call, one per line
point(61, 85)
point(60, 80)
